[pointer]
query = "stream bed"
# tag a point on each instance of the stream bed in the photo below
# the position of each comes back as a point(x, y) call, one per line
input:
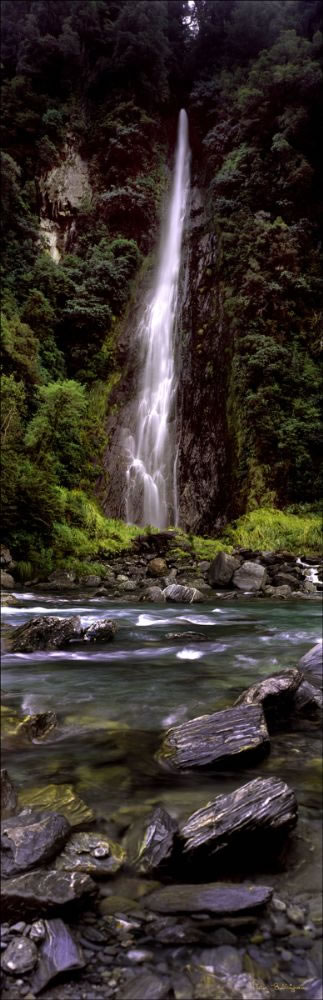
point(113, 703)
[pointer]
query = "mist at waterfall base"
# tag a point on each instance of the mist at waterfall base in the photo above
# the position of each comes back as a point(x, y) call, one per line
point(151, 495)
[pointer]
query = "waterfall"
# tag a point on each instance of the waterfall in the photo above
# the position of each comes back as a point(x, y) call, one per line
point(151, 496)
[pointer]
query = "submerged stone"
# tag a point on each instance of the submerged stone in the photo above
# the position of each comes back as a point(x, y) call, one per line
point(20, 956)
point(216, 897)
point(262, 805)
point(149, 841)
point(31, 839)
point(58, 798)
point(58, 953)
point(212, 986)
point(145, 987)
point(8, 795)
point(311, 664)
point(39, 892)
point(220, 737)
point(45, 632)
point(92, 853)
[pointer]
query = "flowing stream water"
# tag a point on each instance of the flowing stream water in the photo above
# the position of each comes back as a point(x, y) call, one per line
point(151, 472)
point(146, 681)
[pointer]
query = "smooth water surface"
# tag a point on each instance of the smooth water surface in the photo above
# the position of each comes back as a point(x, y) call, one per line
point(143, 682)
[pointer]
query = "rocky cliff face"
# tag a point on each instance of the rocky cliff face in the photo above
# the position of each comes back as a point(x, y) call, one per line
point(62, 192)
point(203, 362)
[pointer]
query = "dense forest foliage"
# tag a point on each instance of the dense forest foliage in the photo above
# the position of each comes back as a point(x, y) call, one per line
point(109, 76)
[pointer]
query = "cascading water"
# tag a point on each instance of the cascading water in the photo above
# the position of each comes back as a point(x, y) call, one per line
point(151, 472)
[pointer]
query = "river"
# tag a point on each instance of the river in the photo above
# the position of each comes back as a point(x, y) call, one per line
point(146, 681)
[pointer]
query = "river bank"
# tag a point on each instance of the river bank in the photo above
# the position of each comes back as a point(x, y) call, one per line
point(113, 704)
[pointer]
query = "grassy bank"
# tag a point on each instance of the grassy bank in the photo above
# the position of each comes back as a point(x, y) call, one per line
point(84, 540)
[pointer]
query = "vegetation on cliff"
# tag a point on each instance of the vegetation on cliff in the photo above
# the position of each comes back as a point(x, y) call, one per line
point(112, 74)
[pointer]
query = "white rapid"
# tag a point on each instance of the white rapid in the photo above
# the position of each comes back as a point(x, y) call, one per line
point(151, 473)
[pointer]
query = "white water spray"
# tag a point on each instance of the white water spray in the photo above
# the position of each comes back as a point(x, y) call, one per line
point(151, 472)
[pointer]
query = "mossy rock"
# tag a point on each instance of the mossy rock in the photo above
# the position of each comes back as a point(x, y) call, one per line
point(91, 853)
point(58, 798)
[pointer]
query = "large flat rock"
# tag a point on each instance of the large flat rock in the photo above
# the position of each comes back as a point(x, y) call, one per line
point(42, 891)
point(216, 897)
point(234, 733)
point(262, 805)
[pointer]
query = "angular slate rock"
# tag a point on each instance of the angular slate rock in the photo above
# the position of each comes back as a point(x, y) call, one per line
point(221, 570)
point(20, 956)
point(179, 594)
point(149, 841)
point(212, 739)
point(30, 839)
point(101, 631)
point(251, 576)
point(262, 805)
point(307, 700)
point(8, 795)
point(46, 632)
point(311, 664)
point(58, 953)
point(92, 853)
point(216, 897)
point(42, 891)
point(145, 987)
point(273, 690)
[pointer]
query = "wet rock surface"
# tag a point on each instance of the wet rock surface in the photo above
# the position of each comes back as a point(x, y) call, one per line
point(58, 798)
point(58, 953)
point(149, 841)
point(217, 897)
point(101, 631)
point(41, 891)
point(45, 633)
point(263, 805)
point(273, 693)
point(183, 595)
point(20, 956)
point(30, 839)
point(92, 854)
point(9, 797)
point(210, 739)
point(311, 665)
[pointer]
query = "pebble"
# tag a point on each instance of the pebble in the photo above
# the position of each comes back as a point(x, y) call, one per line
point(278, 904)
point(300, 941)
point(92, 934)
point(279, 925)
point(37, 931)
point(137, 956)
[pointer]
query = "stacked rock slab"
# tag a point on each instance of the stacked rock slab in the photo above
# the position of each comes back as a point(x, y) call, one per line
point(264, 805)
point(212, 739)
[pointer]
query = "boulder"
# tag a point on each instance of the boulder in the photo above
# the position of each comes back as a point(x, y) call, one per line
point(58, 798)
point(10, 601)
point(5, 556)
point(235, 733)
point(216, 897)
point(149, 840)
point(58, 953)
point(222, 569)
point(31, 839)
point(19, 957)
point(6, 580)
point(274, 693)
point(251, 576)
point(60, 580)
point(8, 795)
point(284, 591)
point(155, 595)
point(182, 595)
point(157, 567)
point(311, 664)
point(46, 632)
point(42, 891)
point(92, 853)
point(264, 805)
point(307, 700)
point(103, 630)
point(91, 581)
point(286, 579)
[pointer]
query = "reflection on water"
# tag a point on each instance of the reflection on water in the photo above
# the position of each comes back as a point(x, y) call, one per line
point(144, 682)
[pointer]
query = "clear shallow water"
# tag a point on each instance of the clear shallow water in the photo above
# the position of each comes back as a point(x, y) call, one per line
point(146, 681)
